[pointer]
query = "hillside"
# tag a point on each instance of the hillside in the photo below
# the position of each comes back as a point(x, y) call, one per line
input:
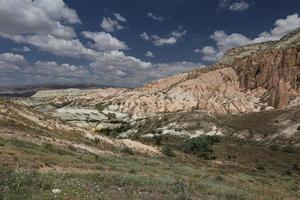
point(43, 157)
point(248, 79)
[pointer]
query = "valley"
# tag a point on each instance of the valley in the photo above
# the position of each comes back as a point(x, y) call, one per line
point(228, 131)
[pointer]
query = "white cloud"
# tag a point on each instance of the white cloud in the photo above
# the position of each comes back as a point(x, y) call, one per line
point(154, 17)
point(10, 62)
point(113, 68)
point(23, 49)
point(282, 27)
point(149, 54)
point(172, 38)
point(110, 25)
point(47, 26)
point(119, 17)
point(145, 36)
point(159, 41)
point(209, 54)
point(19, 17)
point(235, 5)
point(60, 47)
point(224, 41)
point(239, 6)
point(104, 41)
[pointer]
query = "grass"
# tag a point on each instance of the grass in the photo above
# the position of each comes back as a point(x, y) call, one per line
point(241, 170)
point(131, 176)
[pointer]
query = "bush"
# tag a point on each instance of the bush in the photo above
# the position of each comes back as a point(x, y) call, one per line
point(96, 140)
point(133, 171)
point(100, 106)
point(127, 150)
point(274, 147)
point(196, 145)
point(157, 139)
point(201, 146)
point(289, 149)
point(168, 151)
point(111, 115)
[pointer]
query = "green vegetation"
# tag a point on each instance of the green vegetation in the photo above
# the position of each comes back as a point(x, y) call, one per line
point(114, 132)
point(168, 150)
point(200, 146)
point(258, 173)
point(100, 106)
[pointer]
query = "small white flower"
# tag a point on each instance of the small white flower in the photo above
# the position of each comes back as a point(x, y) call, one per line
point(56, 191)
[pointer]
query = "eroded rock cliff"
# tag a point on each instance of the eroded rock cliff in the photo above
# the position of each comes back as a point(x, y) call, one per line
point(248, 79)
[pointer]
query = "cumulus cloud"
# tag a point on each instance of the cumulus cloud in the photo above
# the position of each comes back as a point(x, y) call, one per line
point(104, 41)
point(113, 68)
point(145, 36)
point(11, 62)
point(282, 27)
point(154, 17)
point(57, 46)
point(149, 54)
point(119, 17)
point(209, 54)
point(239, 6)
point(19, 17)
point(224, 41)
point(23, 49)
point(110, 25)
point(234, 5)
point(171, 39)
point(46, 25)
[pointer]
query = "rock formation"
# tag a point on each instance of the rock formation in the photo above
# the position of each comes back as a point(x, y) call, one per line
point(248, 79)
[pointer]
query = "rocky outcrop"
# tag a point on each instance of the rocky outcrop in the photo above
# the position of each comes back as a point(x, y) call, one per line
point(248, 79)
point(216, 91)
point(275, 68)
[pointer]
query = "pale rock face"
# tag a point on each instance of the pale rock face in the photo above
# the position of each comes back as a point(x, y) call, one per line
point(174, 133)
point(79, 114)
point(111, 126)
point(214, 132)
point(215, 91)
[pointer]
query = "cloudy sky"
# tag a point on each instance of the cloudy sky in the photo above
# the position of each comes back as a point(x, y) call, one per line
point(128, 43)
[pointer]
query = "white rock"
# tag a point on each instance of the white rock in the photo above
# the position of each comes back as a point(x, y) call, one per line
point(175, 133)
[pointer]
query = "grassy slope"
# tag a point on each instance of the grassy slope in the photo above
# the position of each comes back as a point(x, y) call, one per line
point(241, 171)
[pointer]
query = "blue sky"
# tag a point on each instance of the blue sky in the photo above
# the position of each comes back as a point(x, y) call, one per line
point(128, 43)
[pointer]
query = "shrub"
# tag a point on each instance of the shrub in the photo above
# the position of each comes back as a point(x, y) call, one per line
point(100, 106)
point(168, 151)
point(96, 140)
point(274, 147)
point(201, 146)
point(111, 115)
point(289, 149)
point(127, 150)
point(132, 171)
point(296, 167)
point(157, 139)
point(196, 145)
point(261, 168)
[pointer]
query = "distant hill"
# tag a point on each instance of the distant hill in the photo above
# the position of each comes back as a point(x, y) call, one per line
point(29, 90)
